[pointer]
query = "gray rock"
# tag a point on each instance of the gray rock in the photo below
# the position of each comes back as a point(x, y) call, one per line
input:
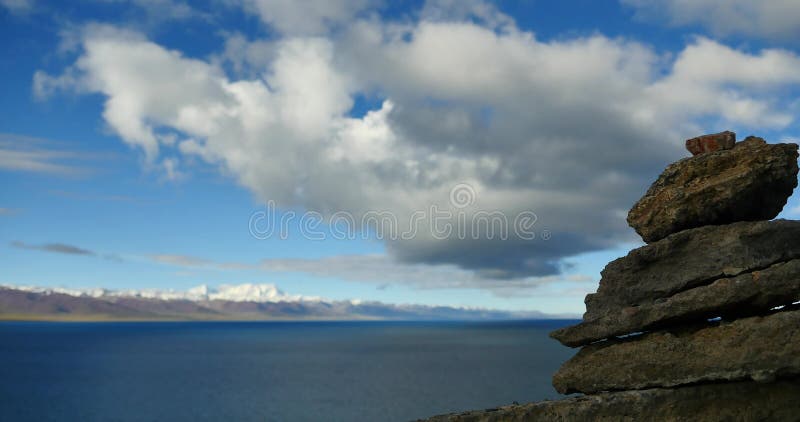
point(736, 401)
point(746, 294)
point(689, 259)
point(750, 182)
point(758, 348)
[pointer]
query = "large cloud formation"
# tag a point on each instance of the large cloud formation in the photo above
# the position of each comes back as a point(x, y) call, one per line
point(570, 129)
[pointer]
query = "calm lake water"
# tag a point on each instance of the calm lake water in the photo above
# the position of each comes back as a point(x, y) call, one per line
point(275, 371)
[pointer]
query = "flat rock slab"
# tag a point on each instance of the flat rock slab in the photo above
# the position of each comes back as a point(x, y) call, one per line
point(736, 401)
point(689, 259)
point(710, 143)
point(758, 348)
point(749, 182)
point(746, 294)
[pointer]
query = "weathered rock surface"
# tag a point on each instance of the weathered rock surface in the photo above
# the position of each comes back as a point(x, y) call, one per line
point(740, 401)
point(689, 259)
point(746, 294)
point(711, 143)
point(750, 182)
point(758, 348)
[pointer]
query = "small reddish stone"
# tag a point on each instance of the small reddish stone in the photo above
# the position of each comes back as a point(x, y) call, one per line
point(711, 143)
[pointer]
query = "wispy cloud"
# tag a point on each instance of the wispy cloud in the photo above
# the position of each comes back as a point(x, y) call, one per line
point(17, 6)
point(188, 261)
point(37, 155)
point(98, 197)
point(66, 249)
point(113, 257)
point(794, 211)
point(62, 248)
point(774, 20)
point(181, 260)
point(8, 211)
point(385, 271)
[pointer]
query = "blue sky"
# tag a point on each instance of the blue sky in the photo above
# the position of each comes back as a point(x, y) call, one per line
point(138, 139)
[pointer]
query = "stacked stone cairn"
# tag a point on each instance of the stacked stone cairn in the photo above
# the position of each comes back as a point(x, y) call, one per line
point(703, 322)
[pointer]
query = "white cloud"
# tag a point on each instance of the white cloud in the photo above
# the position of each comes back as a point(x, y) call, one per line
point(774, 19)
point(704, 72)
point(570, 129)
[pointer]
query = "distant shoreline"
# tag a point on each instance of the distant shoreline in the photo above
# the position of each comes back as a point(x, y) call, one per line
point(112, 319)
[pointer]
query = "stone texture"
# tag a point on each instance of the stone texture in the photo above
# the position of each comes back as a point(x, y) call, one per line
point(710, 143)
point(750, 182)
point(758, 348)
point(736, 401)
point(746, 294)
point(689, 259)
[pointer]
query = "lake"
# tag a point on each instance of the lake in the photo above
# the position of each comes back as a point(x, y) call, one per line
point(275, 371)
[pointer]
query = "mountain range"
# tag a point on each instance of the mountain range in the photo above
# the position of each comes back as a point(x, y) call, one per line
point(249, 302)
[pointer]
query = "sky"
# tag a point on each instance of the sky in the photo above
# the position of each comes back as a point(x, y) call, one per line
point(441, 152)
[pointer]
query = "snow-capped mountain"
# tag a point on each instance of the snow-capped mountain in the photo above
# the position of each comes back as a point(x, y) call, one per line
point(248, 292)
point(225, 302)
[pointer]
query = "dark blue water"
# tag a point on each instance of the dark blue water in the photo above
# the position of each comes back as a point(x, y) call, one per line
point(276, 371)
